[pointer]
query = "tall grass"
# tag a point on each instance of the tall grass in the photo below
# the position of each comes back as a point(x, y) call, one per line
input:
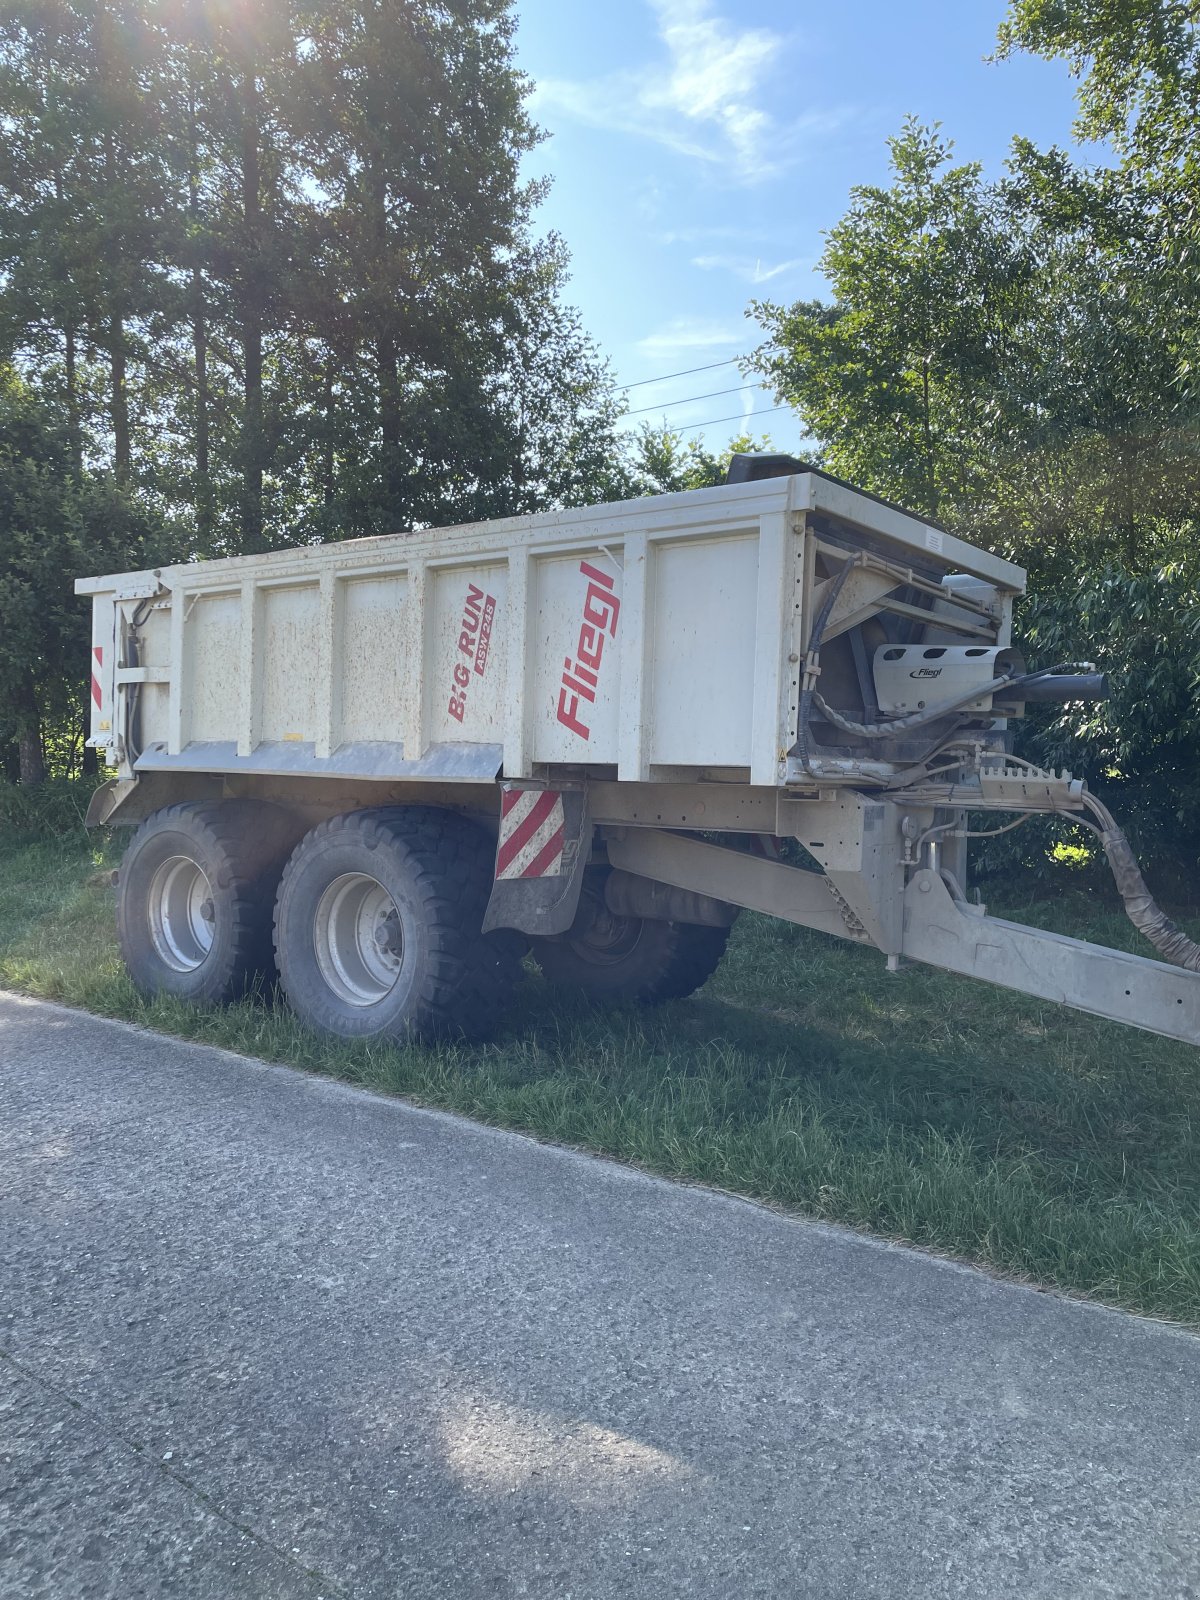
point(49, 811)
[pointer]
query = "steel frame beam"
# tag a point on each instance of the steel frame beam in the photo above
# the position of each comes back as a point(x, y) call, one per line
point(942, 931)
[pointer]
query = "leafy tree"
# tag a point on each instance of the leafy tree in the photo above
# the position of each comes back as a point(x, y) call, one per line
point(1007, 357)
point(1140, 623)
point(1001, 356)
point(1137, 62)
point(547, 416)
point(1096, 406)
point(413, 125)
point(278, 261)
point(1138, 67)
point(664, 462)
point(55, 525)
point(84, 195)
point(897, 377)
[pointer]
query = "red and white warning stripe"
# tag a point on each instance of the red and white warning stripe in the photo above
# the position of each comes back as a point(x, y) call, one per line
point(532, 833)
point(97, 690)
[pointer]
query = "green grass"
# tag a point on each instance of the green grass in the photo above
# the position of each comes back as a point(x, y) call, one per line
point(1012, 1133)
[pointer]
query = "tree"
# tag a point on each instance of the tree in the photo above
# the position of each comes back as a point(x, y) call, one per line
point(1004, 356)
point(897, 377)
point(279, 263)
point(84, 188)
point(55, 525)
point(1007, 357)
point(1138, 66)
point(664, 462)
point(541, 415)
point(1105, 330)
point(429, 313)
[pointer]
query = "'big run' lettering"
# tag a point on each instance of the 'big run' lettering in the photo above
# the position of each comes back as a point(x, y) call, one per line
point(601, 608)
point(474, 642)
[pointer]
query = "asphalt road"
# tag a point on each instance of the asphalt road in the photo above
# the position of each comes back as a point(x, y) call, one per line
point(262, 1335)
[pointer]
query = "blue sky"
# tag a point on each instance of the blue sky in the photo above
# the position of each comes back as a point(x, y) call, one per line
point(700, 147)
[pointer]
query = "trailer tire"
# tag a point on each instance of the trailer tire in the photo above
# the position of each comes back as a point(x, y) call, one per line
point(194, 897)
point(378, 927)
point(630, 959)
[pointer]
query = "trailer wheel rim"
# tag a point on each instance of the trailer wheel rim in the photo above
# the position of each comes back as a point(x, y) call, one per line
point(609, 939)
point(359, 940)
point(182, 914)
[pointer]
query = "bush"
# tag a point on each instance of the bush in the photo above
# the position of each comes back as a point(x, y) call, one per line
point(51, 810)
point(1140, 749)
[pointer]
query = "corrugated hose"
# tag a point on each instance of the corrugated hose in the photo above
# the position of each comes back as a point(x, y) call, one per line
point(1147, 917)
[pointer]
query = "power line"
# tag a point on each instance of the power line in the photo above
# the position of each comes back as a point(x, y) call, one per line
point(667, 376)
point(712, 394)
point(694, 427)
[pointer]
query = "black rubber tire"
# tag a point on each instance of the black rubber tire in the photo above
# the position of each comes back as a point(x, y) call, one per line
point(453, 981)
point(650, 961)
point(240, 845)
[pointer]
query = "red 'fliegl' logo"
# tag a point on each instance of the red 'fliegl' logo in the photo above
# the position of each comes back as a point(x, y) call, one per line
point(581, 676)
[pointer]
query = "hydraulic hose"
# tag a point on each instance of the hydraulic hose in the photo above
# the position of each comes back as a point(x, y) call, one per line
point(133, 719)
point(812, 664)
point(1151, 922)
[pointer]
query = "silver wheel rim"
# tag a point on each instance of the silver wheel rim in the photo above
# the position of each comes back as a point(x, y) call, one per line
point(182, 915)
point(359, 941)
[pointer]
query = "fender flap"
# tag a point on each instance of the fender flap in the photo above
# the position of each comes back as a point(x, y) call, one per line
point(544, 845)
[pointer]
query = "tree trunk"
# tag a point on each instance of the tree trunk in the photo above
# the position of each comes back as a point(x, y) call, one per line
point(122, 454)
point(75, 438)
point(119, 409)
point(204, 498)
point(386, 354)
point(252, 319)
point(327, 461)
point(32, 766)
point(389, 421)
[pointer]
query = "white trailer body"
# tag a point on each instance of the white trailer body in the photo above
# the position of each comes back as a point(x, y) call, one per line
point(656, 638)
point(646, 671)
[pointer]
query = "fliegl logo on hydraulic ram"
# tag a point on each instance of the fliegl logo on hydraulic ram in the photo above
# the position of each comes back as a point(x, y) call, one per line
point(581, 675)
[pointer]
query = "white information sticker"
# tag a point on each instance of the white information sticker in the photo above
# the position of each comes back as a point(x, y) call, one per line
point(933, 541)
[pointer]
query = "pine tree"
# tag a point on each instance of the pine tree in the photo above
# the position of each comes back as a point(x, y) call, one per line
point(85, 192)
point(280, 264)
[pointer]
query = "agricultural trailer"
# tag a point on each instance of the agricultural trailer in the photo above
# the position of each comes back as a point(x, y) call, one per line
point(388, 769)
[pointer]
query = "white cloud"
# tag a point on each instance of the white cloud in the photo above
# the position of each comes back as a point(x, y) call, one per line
point(715, 76)
point(692, 335)
point(748, 268)
point(727, 233)
point(705, 100)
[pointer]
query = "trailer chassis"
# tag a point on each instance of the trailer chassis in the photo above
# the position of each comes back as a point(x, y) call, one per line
point(885, 870)
point(912, 911)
